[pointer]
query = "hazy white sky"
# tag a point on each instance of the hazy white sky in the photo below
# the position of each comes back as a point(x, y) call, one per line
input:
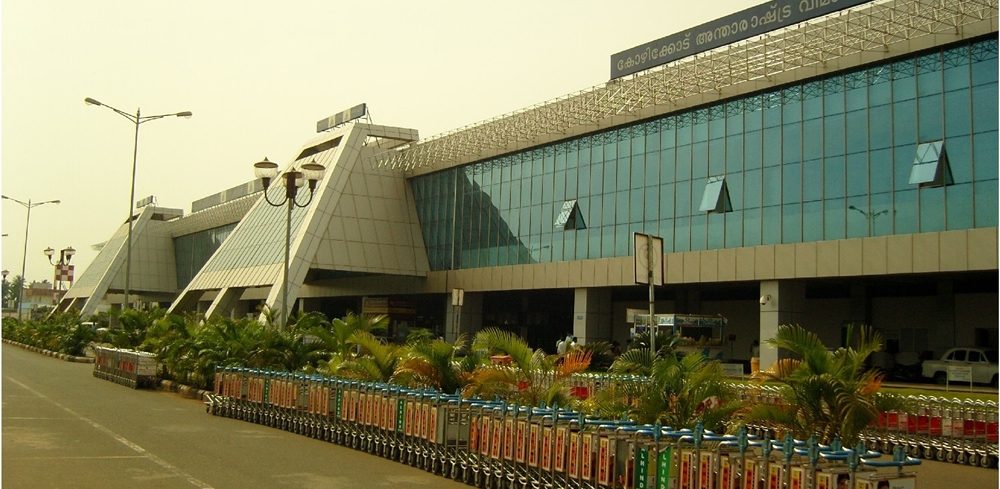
point(258, 75)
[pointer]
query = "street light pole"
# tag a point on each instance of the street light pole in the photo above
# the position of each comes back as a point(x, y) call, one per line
point(869, 216)
point(24, 257)
point(136, 119)
point(267, 171)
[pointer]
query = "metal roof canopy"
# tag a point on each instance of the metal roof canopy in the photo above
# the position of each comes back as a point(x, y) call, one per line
point(867, 28)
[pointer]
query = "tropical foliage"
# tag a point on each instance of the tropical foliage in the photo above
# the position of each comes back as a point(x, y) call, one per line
point(827, 393)
point(676, 391)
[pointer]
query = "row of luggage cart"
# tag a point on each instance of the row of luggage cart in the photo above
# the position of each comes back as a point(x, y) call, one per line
point(131, 368)
point(492, 444)
point(944, 429)
point(933, 428)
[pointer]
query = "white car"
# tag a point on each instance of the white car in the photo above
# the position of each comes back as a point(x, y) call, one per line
point(983, 362)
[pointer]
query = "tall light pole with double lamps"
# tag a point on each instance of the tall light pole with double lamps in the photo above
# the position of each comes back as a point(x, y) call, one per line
point(293, 180)
point(136, 119)
point(64, 271)
point(24, 258)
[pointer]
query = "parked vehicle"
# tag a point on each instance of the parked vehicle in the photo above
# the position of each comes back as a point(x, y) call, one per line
point(983, 362)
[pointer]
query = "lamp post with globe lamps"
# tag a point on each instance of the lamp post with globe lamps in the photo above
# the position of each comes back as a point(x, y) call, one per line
point(63, 270)
point(293, 180)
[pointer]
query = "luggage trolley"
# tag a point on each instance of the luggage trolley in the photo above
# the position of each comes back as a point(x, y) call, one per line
point(870, 479)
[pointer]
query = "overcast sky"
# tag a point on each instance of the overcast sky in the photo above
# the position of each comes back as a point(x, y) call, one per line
point(258, 75)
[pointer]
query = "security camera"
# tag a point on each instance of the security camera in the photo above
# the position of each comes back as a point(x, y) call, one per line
point(764, 299)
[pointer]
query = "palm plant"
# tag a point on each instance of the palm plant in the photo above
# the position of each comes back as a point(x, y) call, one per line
point(532, 377)
point(376, 360)
point(679, 392)
point(437, 364)
point(825, 393)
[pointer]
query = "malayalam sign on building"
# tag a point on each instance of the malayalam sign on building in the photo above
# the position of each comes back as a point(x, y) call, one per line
point(745, 24)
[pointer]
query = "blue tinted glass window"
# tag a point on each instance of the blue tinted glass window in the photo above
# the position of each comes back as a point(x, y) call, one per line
point(682, 234)
point(684, 162)
point(791, 139)
point(791, 223)
point(986, 156)
point(699, 160)
point(772, 146)
point(932, 209)
point(834, 223)
point(833, 135)
point(611, 208)
point(666, 231)
point(986, 204)
point(903, 157)
point(699, 231)
point(960, 161)
point(857, 131)
point(751, 227)
point(857, 174)
point(734, 117)
point(881, 214)
point(772, 186)
point(812, 136)
point(752, 189)
point(812, 180)
point(734, 183)
point(880, 126)
point(638, 171)
point(752, 150)
point(608, 241)
point(904, 122)
point(771, 225)
point(959, 206)
point(957, 113)
point(929, 79)
point(905, 217)
point(652, 169)
point(717, 156)
point(734, 153)
point(930, 122)
point(636, 200)
point(621, 173)
point(733, 222)
point(984, 108)
point(682, 193)
point(791, 183)
point(623, 240)
point(812, 221)
point(880, 170)
point(859, 217)
point(594, 214)
point(651, 204)
point(667, 201)
point(667, 165)
point(833, 178)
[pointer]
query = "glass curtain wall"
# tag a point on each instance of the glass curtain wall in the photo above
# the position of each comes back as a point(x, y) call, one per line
point(823, 159)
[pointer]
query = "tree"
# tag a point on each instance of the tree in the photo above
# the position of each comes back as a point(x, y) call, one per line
point(10, 291)
point(825, 393)
point(436, 363)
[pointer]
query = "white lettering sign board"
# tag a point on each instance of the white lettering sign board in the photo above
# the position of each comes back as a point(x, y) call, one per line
point(959, 373)
point(732, 370)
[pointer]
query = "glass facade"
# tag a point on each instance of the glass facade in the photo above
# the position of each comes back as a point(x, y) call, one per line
point(822, 159)
point(192, 251)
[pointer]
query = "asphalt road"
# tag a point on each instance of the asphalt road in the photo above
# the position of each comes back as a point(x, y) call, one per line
point(64, 428)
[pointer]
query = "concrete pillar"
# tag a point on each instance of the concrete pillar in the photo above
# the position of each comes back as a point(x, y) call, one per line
point(224, 302)
point(470, 320)
point(592, 314)
point(781, 302)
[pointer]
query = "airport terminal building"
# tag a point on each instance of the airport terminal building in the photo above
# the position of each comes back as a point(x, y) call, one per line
point(835, 170)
